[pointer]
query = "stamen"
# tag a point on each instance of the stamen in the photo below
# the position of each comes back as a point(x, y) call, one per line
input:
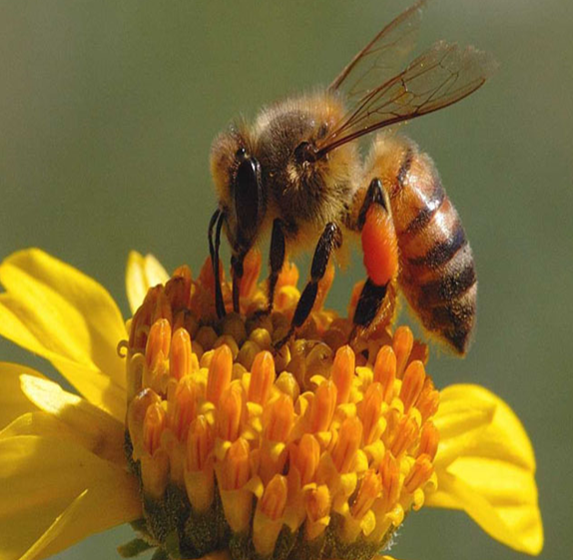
point(184, 410)
point(278, 419)
point(348, 442)
point(273, 502)
point(198, 476)
point(178, 288)
point(404, 435)
point(429, 440)
point(235, 468)
point(267, 522)
point(182, 361)
point(369, 490)
point(220, 372)
point(318, 504)
point(233, 474)
point(403, 343)
point(390, 476)
point(162, 307)
point(159, 342)
point(370, 413)
point(199, 444)
point(230, 411)
point(429, 400)
point(277, 425)
point(262, 377)
point(252, 270)
point(323, 406)
point(385, 371)
point(412, 384)
point(136, 414)
point(305, 457)
point(153, 427)
point(343, 372)
point(419, 474)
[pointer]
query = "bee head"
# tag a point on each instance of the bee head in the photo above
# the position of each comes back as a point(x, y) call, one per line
point(238, 181)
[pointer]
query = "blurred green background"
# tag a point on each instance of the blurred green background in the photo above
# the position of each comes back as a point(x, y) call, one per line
point(107, 111)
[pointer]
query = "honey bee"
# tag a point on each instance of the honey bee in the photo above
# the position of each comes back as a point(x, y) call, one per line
point(298, 173)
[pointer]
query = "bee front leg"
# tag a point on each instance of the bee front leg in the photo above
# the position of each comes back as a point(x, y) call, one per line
point(276, 260)
point(330, 239)
point(237, 270)
point(380, 248)
point(216, 223)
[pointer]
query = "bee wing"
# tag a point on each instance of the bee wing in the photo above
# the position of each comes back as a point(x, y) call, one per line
point(382, 58)
point(442, 75)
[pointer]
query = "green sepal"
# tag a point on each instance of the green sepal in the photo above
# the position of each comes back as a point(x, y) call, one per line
point(133, 548)
point(160, 554)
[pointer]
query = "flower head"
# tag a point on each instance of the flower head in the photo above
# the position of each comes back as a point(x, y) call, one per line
point(317, 451)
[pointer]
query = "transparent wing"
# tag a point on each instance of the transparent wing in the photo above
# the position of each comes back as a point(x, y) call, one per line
point(383, 57)
point(439, 77)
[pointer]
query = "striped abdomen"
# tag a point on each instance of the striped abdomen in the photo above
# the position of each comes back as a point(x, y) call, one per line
point(437, 272)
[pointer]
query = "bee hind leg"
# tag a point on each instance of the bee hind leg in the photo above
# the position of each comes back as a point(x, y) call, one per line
point(380, 248)
point(330, 239)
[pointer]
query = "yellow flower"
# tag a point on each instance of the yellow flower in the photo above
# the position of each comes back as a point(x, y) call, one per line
point(191, 429)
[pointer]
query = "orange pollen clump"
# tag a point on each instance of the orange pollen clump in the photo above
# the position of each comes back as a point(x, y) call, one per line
point(332, 436)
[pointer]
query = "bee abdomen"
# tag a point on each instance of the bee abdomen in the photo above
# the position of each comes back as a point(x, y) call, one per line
point(438, 274)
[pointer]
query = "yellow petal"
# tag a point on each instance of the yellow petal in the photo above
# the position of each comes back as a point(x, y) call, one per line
point(496, 431)
point(40, 477)
point(13, 402)
point(64, 311)
point(491, 473)
point(68, 416)
point(93, 384)
point(55, 529)
point(142, 273)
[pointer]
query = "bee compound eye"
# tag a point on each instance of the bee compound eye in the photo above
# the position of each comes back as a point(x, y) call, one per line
point(248, 198)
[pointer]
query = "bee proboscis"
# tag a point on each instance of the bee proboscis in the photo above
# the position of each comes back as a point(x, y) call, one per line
point(297, 172)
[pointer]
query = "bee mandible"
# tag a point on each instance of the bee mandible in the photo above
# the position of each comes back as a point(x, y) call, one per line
point(297, 173)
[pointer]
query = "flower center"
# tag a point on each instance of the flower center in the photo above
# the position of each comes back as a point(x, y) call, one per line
point(318, 451)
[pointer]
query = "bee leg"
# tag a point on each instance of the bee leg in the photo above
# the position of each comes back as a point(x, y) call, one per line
point(237, 270)
point(379, 245)
point(330, 239)
point(216, 223)
point(276, 259)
